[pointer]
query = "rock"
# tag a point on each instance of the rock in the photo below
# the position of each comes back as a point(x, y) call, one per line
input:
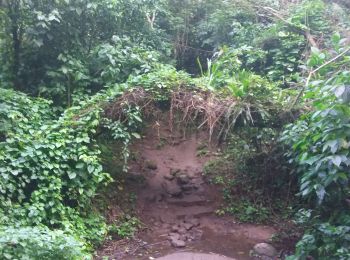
point(187, 187)
point(188, 226)
point(189, 237)
point(172, 189)
point(178, 243)
point(194, 221)
point(196, 186)
point(174, 172)
point(183, 179)
point(197, 234)
point(264, 249)
point(183, 237)
point(182, 231)
point(174, 236)
point(156, 224)
point(150, 164)
point(175, 228)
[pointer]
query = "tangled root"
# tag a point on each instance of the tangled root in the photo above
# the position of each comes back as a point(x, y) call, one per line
point(136, 97)
point(201, 108)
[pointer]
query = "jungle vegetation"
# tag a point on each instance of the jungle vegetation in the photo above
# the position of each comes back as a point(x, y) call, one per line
point(74, 74)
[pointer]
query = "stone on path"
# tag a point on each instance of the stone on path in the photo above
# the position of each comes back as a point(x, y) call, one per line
point(176, 242)
point(172, 189)
point(264, 249)
point(188, 226)
point(183, 179)
point(175, 228)
point(194, 221)
point(174, 172)
point(174, 236)
point(150, 164)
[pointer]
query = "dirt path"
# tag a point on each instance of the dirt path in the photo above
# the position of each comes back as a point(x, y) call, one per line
point(178, 207)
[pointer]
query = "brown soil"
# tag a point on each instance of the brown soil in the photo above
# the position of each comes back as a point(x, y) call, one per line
point(177, 206)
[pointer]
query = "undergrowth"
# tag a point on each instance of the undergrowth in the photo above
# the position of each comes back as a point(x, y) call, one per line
point(257, 184)
point(106, 67)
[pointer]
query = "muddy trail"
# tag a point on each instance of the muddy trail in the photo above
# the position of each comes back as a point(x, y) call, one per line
point(177, 206)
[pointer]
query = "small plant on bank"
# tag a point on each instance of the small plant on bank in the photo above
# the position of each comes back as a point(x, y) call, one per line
point(39, 243)
point(126, 227)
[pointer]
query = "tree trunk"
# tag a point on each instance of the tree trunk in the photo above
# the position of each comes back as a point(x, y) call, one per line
point(14, 15)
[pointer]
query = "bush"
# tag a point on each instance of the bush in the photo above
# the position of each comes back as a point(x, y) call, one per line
point(254, 176)
point(18, 110)
point(51, 169)
point(33, 243)
point(319, 148)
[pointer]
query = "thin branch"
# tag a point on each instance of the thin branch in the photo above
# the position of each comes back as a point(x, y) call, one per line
point(151, 19)
point(314, 71)
point(279, 16)
point(305, 32)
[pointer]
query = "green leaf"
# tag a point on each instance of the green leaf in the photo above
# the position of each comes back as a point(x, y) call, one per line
point(339, 91)
point(72, 175)
point(136, 135)
point(320, 191)
point(91, 168)
point(337, 160)
point(64, 70)
point(79, 10)
point(80, 165)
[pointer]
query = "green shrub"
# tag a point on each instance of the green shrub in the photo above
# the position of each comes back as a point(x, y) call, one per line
point(254, 176)
point(32, 243)
point(319, 148)
point(18, 110)
point(51, 169)
point(161, 81)
point(125, 228)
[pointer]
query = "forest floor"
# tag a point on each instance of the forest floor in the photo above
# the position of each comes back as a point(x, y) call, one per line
point(177, 206)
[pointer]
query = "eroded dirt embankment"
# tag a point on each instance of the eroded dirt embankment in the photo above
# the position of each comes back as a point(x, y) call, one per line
point(177, 206)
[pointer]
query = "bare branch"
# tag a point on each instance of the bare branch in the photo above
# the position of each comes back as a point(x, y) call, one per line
point(305, 32)
point(314, 71)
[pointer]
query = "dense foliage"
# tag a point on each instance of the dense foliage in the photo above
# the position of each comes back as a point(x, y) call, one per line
point(39, 243)
point(319, 144)
point(50, 168)
point(68, 74)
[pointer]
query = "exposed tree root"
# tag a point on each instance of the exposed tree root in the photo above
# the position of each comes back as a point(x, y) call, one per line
point(200, 108)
